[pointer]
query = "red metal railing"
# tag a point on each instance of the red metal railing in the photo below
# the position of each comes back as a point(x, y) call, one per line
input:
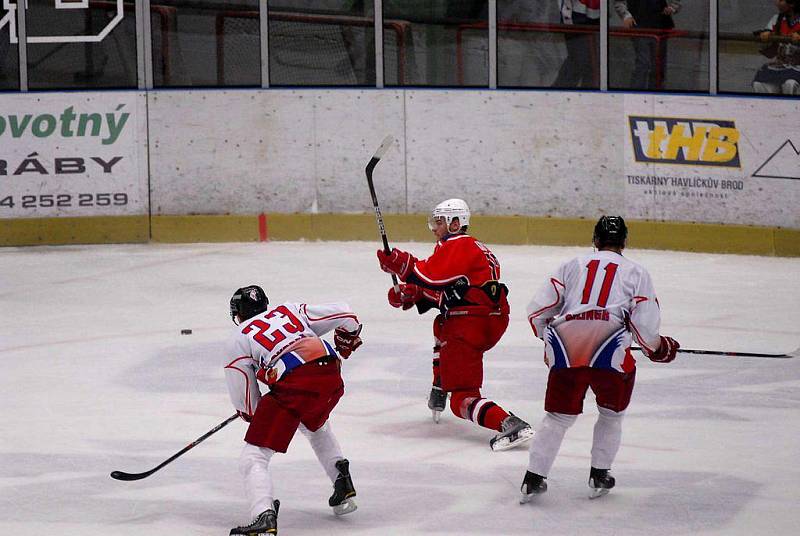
point(399, 27)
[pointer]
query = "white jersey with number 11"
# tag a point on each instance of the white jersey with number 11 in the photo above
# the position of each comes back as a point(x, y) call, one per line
point(590, 309)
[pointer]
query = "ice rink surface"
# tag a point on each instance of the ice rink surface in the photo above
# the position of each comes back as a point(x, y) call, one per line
point(97, 377)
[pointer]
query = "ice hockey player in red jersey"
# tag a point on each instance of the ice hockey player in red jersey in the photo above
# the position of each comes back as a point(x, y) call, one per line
point(587, 313)
point(462, 280)
point(282, 348)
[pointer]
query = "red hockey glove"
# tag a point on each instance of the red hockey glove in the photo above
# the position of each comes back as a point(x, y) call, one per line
point(346, 342)
point(408, 295)
point(666, 351)
point(397, 262)
point(244, 416)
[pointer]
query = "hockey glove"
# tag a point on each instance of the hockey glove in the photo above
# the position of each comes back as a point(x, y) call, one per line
point(397, 262)
point(267, 375)
point(456, 291)
point(411, 294)
point(244, 416)
point(406, 297)
point(666, 351)
point(346, 342)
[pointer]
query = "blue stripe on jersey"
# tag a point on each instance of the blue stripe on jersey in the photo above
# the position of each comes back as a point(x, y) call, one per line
point(291, 361)
point(607, 351)
point(331, 351)
point(558, 350)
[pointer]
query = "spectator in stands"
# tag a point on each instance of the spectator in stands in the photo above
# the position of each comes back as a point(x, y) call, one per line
point(581, 66)
point(782, 74)
point(655, 14)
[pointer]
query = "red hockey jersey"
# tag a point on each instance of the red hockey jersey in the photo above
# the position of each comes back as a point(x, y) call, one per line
point(455, 257)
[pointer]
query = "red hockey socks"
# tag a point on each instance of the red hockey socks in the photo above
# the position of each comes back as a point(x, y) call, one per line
point(471, 406)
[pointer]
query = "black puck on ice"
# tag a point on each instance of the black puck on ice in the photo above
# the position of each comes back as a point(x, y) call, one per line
point(186, 332)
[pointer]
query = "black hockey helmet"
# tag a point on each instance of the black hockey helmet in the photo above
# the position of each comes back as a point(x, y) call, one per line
point(610, 231)
point(247, 302)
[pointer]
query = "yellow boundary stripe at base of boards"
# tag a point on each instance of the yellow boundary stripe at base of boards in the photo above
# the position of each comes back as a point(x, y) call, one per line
point(698, 237)
point(82, 230)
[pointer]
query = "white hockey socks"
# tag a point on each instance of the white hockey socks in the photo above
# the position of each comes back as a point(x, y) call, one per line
point(254, 466)
point(547, 441)
point(326, 447)
point(607, 438)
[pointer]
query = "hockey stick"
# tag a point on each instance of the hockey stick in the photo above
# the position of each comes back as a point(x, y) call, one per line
point(794, 353)
point(385, 144)
point(121, 475)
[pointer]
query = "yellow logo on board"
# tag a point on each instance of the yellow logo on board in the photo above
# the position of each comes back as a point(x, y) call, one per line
point(670, 140)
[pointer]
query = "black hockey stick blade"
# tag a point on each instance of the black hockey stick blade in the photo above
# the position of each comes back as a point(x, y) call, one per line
point(789, 355)
point(122, 475)
point(385, 145)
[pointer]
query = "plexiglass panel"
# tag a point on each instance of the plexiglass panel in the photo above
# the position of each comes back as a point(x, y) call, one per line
point(445, 42)
point(9, 54)
point(757, 53)
point(658, 45)
point(556, 44)
point(81, 44)
point(321, 43)
point(206, 43)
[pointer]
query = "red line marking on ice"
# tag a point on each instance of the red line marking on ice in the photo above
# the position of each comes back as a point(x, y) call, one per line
point(262, 227)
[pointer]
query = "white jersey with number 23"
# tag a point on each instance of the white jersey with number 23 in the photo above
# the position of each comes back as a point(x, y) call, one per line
point(279, 340)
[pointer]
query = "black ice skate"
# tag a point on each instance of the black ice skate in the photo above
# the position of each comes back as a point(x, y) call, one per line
point(533, 484)
point(600, 482)
point(514, 431)
point(343, 491)
point(265, 523)
point(437, 401)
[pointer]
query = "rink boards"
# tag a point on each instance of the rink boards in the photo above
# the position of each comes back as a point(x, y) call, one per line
point(695, 173)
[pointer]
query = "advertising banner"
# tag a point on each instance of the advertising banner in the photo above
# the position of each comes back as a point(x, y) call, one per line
point(720, 160)
point(73, 154)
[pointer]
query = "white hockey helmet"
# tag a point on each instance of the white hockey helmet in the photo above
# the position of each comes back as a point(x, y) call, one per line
point(449, 209)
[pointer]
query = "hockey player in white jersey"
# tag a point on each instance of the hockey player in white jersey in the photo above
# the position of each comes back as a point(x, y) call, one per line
point(282, 348)
point(587, 313)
